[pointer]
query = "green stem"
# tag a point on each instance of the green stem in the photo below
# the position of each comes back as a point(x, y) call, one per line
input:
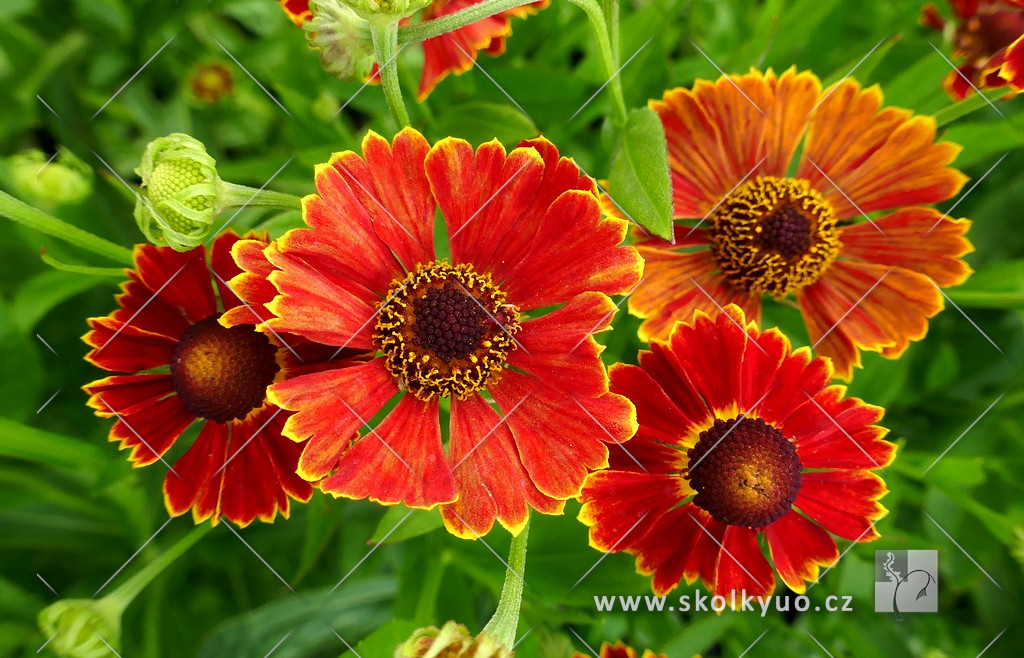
point(116, 272)
point(970, 104)
point(506, 618)
point(426, 605)
point(36, 219)
point(231, 195)
point(611, 16)
point(385, 50)
point(453, 21)
point(127, 591)
point(609, 57)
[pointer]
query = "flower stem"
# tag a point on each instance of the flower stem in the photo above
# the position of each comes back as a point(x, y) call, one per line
point(131, 588)
point(611, 16)
point(506, 618)
point(609, 56)
point(453, 21)
point(385, 50)
point(231, 195)
point(34, 218)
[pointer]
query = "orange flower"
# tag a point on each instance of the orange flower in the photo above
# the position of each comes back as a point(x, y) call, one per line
point(739, 438)
point(453, 52)
point(860, 285)
point(620, 650)
point(989, 37)
point(525, 235)
point(186, 368)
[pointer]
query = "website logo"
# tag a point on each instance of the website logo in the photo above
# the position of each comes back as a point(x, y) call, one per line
point(906, 582)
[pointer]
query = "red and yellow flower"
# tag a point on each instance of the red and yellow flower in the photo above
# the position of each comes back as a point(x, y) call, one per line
point(988, 35)
point(861, 283)
point(740, 438)
point(186, 368)
point(620, 650)
point(453, 52)
point(512, 314)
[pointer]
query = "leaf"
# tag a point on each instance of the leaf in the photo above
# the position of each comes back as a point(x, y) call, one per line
point(37, 296)
point(999, 285)
point(923, 592)
point(384, 640)
point(983, 141)
point(392, 529)
point(640, 183)
point(481, 121)
point(305, 622)
point(31, 444)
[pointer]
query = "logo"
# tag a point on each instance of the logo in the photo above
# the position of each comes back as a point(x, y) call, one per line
point(906, 582)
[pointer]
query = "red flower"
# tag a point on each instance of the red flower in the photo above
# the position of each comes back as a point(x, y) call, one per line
point(860, 285)
point(185, 368)
point(620, 650)
point(739, 438)
point(525, 235)
point(989, 37)
point(453, 52)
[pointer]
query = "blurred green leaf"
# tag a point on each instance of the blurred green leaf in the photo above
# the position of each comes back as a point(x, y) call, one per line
point(383, 641)
point(640, 183)
point(393, 529)
point(481, 121)
point(999, 285)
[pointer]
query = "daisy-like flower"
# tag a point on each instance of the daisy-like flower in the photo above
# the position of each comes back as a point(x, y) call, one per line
point(988, 35)
point(512, 314)
point(183, 367)
point(739, 438)
point(453, 52)
point(861, 283)
point(620, 650)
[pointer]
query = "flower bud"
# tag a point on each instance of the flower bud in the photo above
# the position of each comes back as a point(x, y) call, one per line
point(47, 183)
point(343, 39)
point(180, 199)
point(451, 641)
point(82, 628)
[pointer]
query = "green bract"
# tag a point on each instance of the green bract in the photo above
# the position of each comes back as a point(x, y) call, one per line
point(386, 10)
point(454, 640)
point(181, 192)
point(343, 39)
point(82, 628)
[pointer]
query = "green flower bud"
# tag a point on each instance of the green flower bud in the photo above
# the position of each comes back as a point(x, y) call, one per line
point(48, 184)
point(79, 627)
point(180, 199)
point(343, 39)
point(386, 10)
point(451, 641)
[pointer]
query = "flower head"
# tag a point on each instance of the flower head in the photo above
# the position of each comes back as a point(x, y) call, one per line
point(451, 641)
point(861, 282)
point(621, 650)
point(469, 326)
point(182, 367)
point(46, 181)
point(210, 83)
point(740, 438)
point(343, 39)
point(988, 36)
point(181, 184)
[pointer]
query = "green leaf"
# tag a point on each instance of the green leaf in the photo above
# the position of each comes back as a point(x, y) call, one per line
point(970, 104)
point(37, 296)
point(1000, 285)
point(983, 139)
point(640, 180)
point(393, 529)
point(31, 444)
point(481, 121)
point(384, 640)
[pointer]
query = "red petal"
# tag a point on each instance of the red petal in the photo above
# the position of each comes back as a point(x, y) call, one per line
point(684, 543)
point(931, 18)
point(560, 349)
point(832, 432)
point(127, 394)
point(621, 507)
point(490, 477)
point(918, 239)
point(1013, 66)
point(866, 306)
point(561, 438)
point(251, 286)
point(403, 461)
point(126, 348)
point(658, 415)
point(150, 432)
point(192, 485)
point(223, 266)
point(142, 310)
point(180, 279)
point(331, 406)
point(844, 503)
point(711, 352)
point(742, 568)
point(797, 377)
point(798, 548)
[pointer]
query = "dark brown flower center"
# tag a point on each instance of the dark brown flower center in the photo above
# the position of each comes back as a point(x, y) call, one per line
point(445, 330)
point(773, 235)
point(222, 374)
point(745, 472)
